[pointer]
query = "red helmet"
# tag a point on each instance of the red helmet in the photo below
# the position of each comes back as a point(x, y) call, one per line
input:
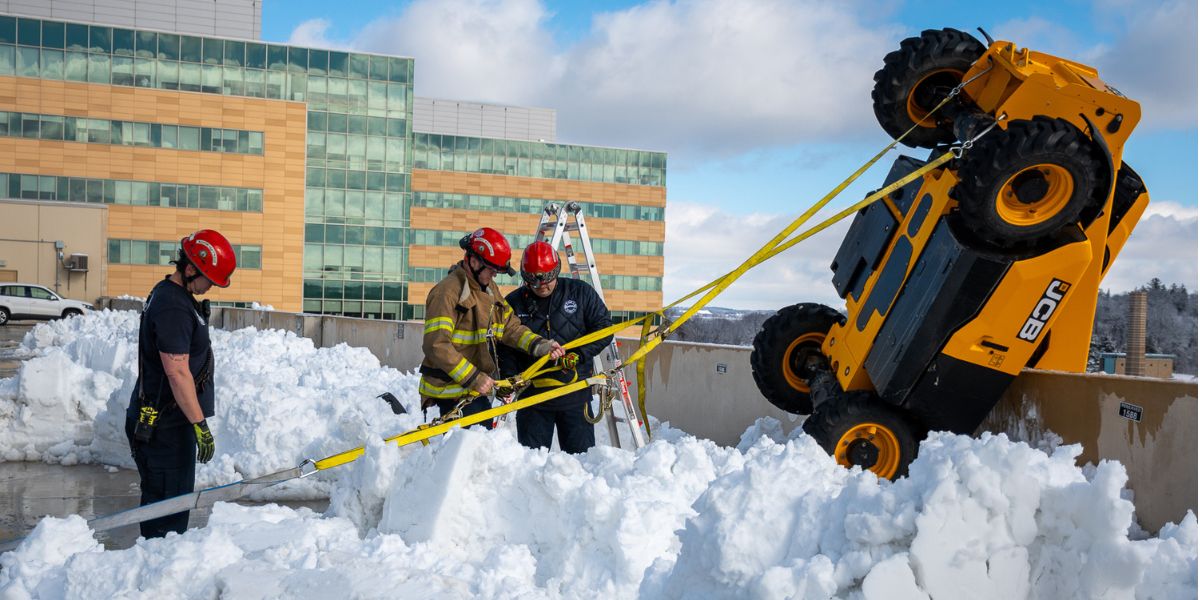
point(540, 263)
point(489, 245)
point(211, 254)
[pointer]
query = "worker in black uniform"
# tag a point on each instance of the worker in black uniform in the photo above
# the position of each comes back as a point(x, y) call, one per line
point(166, 422)
point(560, 309)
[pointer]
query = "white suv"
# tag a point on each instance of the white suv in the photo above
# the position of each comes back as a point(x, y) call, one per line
point(28, 301)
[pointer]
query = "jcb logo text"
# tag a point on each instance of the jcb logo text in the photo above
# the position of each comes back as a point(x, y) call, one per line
point(1043, 310)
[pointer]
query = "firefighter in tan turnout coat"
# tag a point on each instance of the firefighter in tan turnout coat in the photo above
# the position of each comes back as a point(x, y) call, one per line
point(465, 317)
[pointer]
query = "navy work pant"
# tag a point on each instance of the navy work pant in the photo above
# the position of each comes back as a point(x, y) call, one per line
point(535, 425)
point(167, 466)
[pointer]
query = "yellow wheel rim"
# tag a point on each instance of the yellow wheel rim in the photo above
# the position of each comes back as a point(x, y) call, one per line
point(1058, 186)
point(868, 436)
point(794, 379)
point(918, 110)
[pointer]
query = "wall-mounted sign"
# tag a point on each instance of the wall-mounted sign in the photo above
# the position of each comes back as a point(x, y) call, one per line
point(722, 368)
point(1132, 412)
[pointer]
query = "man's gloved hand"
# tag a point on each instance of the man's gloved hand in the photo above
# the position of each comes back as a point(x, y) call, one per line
point(548, 346)
point(205, 445)
point(569, 361)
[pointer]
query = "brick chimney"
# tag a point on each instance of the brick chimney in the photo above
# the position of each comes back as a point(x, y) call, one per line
point(1135, 335)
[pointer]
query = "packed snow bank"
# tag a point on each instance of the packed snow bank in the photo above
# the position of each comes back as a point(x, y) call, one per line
point(279, 399)
point(477, 515)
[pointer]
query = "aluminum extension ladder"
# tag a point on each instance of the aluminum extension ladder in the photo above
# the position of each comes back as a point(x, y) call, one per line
point(560, 220)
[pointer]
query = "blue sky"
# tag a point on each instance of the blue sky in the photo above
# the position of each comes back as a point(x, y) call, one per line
point(763, 106)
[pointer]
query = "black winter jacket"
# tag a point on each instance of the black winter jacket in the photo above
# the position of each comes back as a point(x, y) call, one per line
point(574, 310)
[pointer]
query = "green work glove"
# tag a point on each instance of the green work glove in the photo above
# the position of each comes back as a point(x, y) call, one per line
point(569, 361)
point(205, 446)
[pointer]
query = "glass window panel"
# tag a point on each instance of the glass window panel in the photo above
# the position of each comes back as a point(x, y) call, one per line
point(297, 59)
point(297, 84)
point(122, 42)
point(7, 60)
point(353, 260)
point(373, 263)
point(235, 53)
point(396, 100)
point(98, 68)
point(101, 39)
point(398, 71)
point(377, 125)
point(337, 122)
point(255, 142)
point(189, 77)
point(231, 81)
point(312, 257)
point(360, 66)
point(379, 68)
point(209, 196)
point(30, 124)
point(191, 48)
point(52, 64)
point(318, 62)
point(335, 203)
point(277, 57)
point(52, 128)
point(29, 32)
point(140, 252)
point(168, 74)
point(254, 200)
point(317, 121)
point(143, 72)
point(8, 30)
point(212, 51)
point(211, 81)
point(338, 64)
point(28, 62)
point(375, 236)
point(256, 55)
point(335, 234)
point(77, 36)
point(354, 205)
point(255, 81)
point(276, 82)
point(146, 44)
point(122, 70)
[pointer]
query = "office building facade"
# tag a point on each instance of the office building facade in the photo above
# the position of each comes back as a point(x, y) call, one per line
point(307, 159)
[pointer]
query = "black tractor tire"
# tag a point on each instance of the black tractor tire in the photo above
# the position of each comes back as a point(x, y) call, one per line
point(916, 78)
point(71, 312)
point(787, 354)
point(4, 314)
point(858, 429)
point(1019, 187)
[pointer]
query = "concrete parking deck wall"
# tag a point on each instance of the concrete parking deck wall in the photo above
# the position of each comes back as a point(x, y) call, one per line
point(708, 391)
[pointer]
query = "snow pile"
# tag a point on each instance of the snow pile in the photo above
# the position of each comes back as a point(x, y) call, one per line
point(477, 515)
point(279, 399)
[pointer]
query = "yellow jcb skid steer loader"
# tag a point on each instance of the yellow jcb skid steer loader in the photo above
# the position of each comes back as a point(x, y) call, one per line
point(987, 265)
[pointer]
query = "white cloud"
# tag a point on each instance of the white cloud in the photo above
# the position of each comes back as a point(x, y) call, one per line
point(704, 243)
point(1153, 60)
point(702, 78)
point(1162, 246)
point(708, 76)
point(313, 33)
point(485, 50)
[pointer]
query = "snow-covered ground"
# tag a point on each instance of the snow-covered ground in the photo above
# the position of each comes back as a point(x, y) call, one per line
point(476, 515)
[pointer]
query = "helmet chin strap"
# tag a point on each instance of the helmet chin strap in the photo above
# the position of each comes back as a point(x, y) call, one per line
point(475, 272)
